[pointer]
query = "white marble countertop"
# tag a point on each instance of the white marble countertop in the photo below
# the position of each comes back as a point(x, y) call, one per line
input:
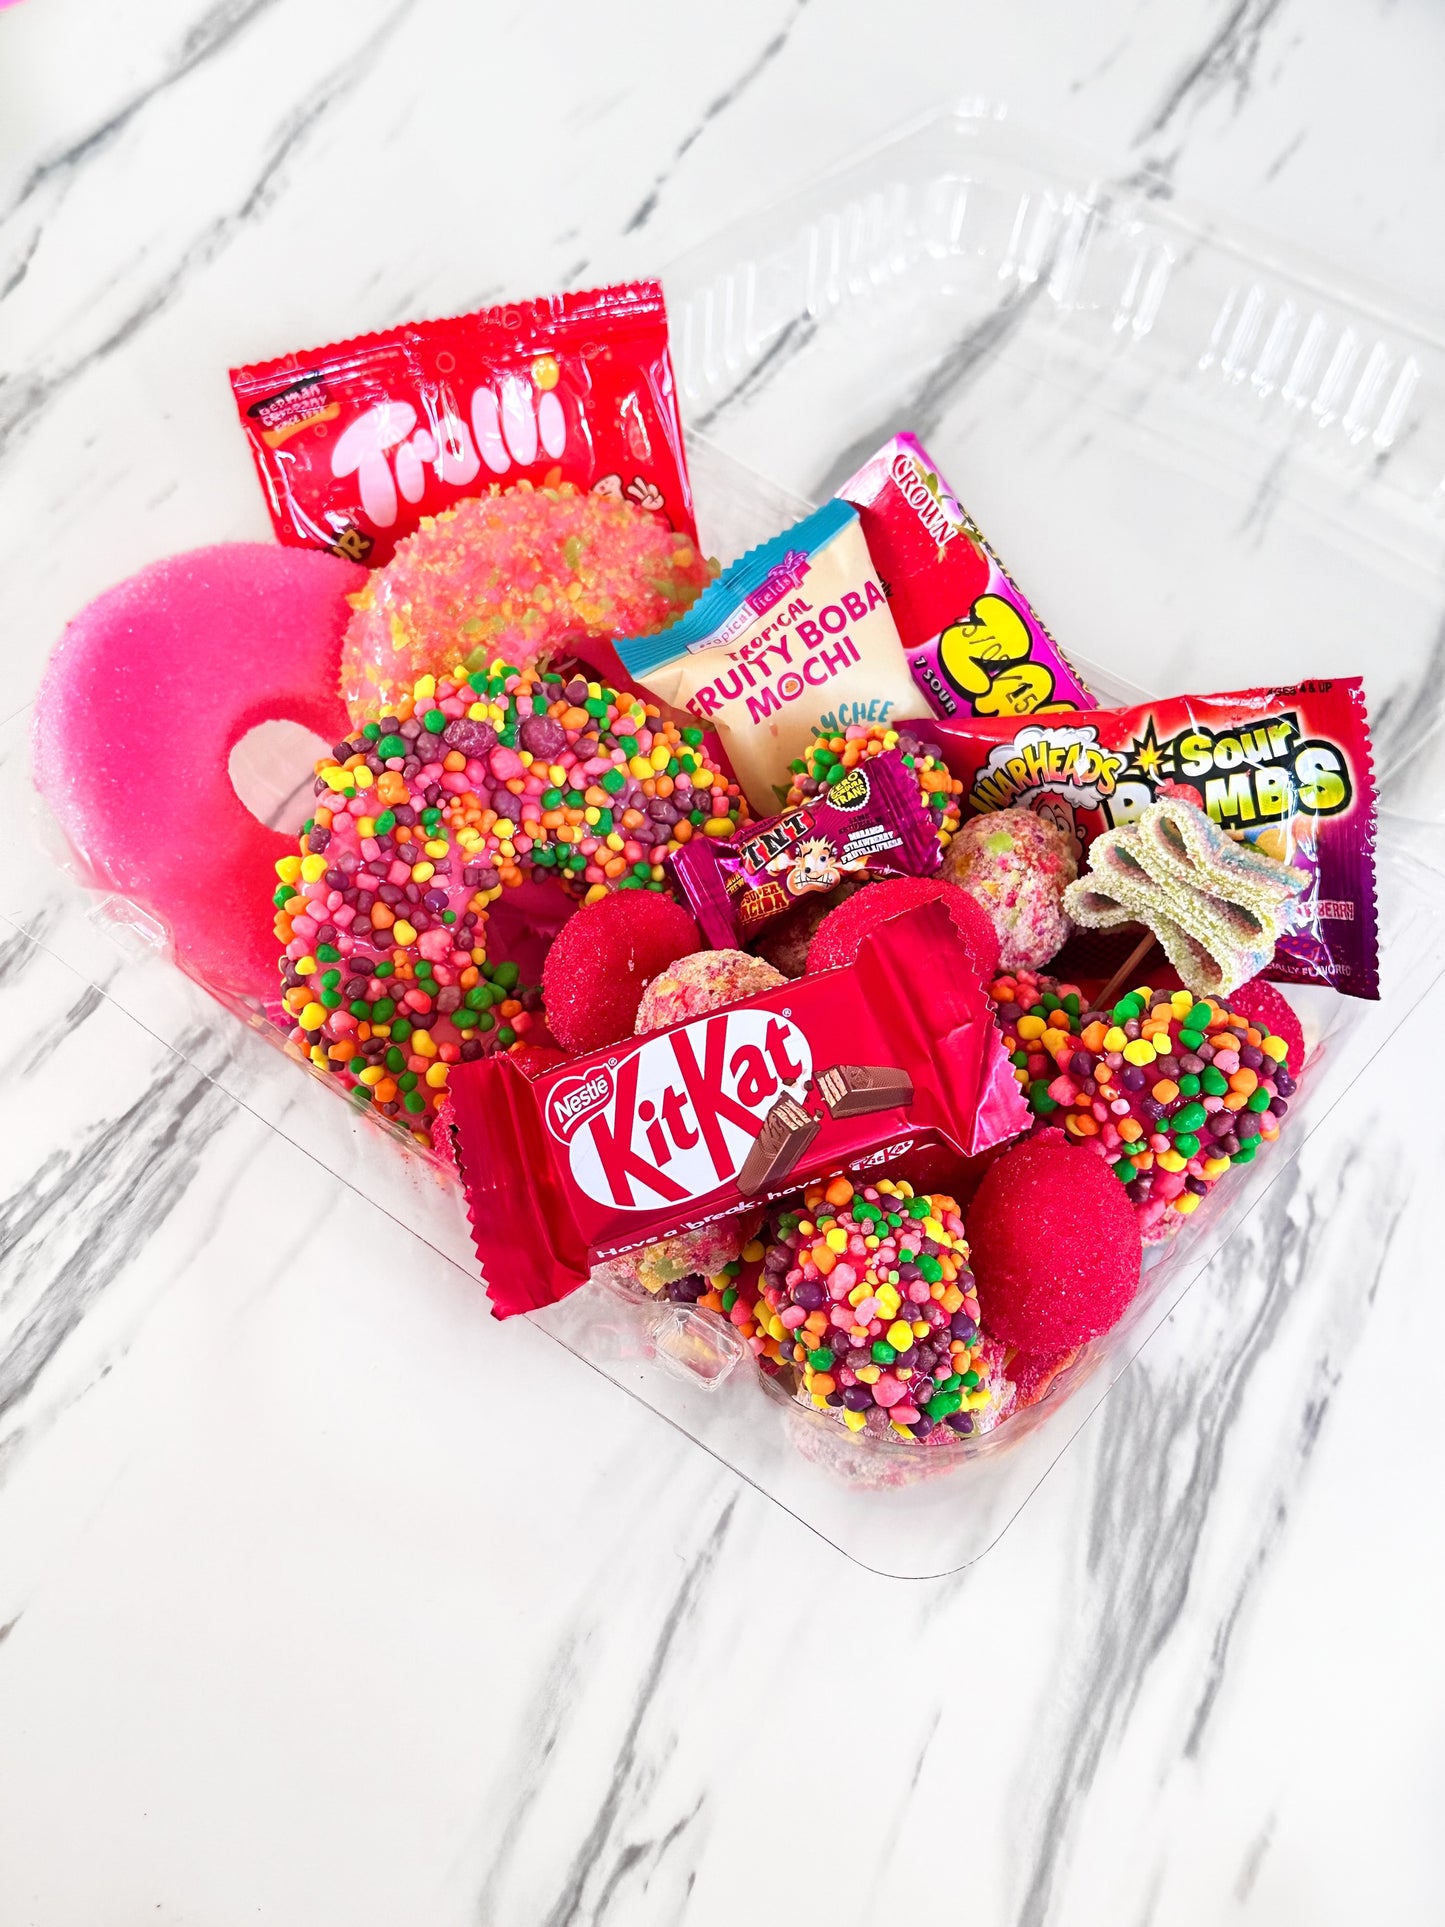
point(324, 1600)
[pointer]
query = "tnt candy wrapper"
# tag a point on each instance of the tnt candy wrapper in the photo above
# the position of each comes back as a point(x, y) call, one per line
point(794, 637)
point(356, 442)
point(1286, 770)
point(871, 823)
point(973, 642)
point(893, 1057)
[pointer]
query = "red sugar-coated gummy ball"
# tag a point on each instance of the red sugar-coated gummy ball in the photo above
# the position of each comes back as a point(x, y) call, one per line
point(603, 959)
point(1260, 1001)
point(841, 933)
point(1055, 1246)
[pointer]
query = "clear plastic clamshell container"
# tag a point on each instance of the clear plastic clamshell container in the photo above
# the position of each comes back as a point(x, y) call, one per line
point(1205, 465)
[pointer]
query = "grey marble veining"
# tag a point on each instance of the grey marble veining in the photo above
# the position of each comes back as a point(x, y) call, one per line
point(325, 1599)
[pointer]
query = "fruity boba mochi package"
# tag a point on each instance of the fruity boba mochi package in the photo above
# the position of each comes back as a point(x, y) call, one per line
point(795, 636)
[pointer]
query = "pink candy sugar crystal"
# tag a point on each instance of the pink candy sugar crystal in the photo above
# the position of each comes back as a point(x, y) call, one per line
point(145, 696)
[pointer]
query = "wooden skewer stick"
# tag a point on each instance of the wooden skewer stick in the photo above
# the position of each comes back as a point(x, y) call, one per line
point(1125, 971)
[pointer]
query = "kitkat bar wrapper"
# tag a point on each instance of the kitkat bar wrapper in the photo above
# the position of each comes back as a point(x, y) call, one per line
point(356, 442)
point(974, 644)
point(891, 1058)
point(1287, 770)
point(871, 823)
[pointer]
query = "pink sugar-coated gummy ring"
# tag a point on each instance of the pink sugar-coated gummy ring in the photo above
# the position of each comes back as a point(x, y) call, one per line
point(841, 933)
point(604, 957)
point(145, 696)
point(1260, 1000)
point(1055, 1246)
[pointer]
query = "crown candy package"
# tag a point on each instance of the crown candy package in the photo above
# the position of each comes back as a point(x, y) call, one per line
point(973, 642)
point(1286, 772)
point(796, 636)
point(663, 1134)
point(356, 442)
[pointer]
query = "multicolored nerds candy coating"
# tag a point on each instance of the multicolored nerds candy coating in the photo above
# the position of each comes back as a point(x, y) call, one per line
point(471, 785)
point(864, 1295)
point(1170, 1090)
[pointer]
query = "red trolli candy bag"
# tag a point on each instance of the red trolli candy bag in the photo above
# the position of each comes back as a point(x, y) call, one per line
point(356, 442)
point(891, 1057)
point(1285, 770)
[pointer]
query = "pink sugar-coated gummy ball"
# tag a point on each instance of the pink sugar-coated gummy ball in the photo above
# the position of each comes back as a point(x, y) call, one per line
point(841, 933)
point(1016, 865)
point(513, 575)
point(602, 960)
point(1258, 999)
point(1054, 1244)
point(707, 980)
point(144, 698)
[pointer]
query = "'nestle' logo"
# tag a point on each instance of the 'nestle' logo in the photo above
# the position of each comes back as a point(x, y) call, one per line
point(577, 1098)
